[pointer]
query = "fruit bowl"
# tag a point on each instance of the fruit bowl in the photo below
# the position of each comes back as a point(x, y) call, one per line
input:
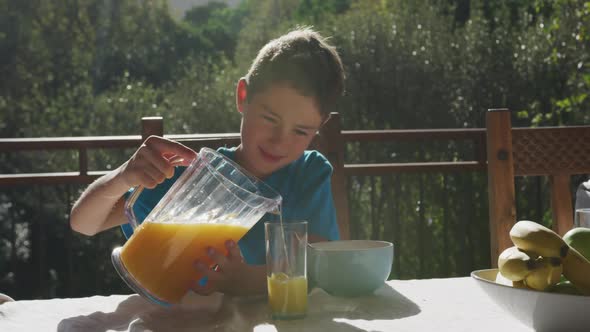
point(542, 311)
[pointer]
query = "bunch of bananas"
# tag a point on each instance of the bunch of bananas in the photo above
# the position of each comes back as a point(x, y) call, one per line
point(540, 257)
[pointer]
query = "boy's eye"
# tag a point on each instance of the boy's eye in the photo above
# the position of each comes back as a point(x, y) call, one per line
point(301, 132)
point(268, 118)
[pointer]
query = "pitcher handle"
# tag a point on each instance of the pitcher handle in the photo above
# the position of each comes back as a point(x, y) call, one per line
point(129, 207)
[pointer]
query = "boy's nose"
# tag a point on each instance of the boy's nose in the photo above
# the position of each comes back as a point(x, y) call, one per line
point(278, 136)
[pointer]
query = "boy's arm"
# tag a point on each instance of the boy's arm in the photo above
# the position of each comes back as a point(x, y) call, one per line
point(101, 205)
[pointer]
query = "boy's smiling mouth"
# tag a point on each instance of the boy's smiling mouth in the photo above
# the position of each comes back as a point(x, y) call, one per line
point(269, 157)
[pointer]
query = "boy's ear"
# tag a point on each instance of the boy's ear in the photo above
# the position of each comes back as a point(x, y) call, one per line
point(241, 94)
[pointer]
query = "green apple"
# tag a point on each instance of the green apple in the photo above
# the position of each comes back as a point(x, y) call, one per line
point(564, 287)
point(579, 239)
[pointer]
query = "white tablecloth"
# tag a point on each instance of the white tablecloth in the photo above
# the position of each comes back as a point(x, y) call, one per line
point(454, 304)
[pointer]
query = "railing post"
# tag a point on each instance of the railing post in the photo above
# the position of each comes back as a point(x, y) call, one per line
point(151, 125)
point(501, 192)
point(561, 203)
point(39, 248)
point(83, 161)
point(332, 145)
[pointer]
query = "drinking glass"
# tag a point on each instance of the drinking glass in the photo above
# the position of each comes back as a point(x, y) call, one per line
point(582, 218)
point(286, 261)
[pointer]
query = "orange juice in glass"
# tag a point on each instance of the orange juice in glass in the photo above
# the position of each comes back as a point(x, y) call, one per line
point(213, 201)
point(286, 263)
point(287, 295)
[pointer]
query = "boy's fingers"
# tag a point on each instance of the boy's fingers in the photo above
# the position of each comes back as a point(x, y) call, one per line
point(206, 289)
point(216, 257)
point(233, 250)
point(206, 272)
point(147, 181)
point(177, 161)
point(154, 173)
point(162, 145)
point(156, 160)
point(186, 162)
point(201, 267)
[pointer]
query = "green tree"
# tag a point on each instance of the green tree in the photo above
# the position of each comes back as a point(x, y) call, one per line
point(218, 24)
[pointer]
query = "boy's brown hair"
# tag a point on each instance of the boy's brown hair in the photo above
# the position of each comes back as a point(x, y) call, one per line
point(304, 60)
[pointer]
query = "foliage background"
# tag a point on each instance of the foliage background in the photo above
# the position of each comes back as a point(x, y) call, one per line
point(94, 67)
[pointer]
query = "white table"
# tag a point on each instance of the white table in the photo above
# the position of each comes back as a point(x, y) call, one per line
point(453, 304)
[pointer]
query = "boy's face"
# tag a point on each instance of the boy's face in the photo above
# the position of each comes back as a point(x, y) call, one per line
point(278, 124)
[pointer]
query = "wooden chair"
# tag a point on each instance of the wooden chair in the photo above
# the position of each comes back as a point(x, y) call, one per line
point(557, 152)
point(328, 142)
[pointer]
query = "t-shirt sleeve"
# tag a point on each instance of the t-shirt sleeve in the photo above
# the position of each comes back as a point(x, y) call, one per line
point(316, 204)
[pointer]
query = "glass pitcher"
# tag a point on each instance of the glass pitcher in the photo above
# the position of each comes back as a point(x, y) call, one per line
point(212, 201)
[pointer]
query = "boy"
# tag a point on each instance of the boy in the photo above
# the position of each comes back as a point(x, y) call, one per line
point(288, 93)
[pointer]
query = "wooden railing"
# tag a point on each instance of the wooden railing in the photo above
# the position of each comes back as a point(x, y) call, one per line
point(83, 144)
point(476, 135)
point(332, 141)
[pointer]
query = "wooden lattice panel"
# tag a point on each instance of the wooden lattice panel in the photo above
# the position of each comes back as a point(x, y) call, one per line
point(555, 150)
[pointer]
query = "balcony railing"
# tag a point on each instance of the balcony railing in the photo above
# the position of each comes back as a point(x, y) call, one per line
point(332, 141)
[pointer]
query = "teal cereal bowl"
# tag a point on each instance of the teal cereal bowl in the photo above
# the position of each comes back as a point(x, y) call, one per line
point(349, 267)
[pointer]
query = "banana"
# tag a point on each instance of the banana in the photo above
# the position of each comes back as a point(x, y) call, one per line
point(548, 274)
point(518, 284)
point(576, 268)
point(514, 264)
point(531, 236)
point(500, 279)
point(534, 237)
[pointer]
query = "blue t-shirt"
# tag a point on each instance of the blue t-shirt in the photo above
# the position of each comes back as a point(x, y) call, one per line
point(304, 185)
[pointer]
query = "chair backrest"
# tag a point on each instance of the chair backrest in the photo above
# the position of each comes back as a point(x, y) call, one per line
point(328, 142)
point(556, 152)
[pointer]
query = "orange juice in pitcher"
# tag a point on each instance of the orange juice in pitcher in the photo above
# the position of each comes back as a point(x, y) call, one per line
point(161, 255)
point(213, 201)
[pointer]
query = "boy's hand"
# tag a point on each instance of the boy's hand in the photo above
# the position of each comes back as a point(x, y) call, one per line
point(154, 161)
point(231, 275)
